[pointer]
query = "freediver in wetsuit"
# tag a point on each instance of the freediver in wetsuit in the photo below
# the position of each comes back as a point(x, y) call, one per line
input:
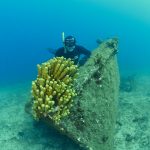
point(73, 51)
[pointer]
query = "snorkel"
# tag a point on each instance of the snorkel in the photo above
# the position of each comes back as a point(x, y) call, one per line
point(63, 40)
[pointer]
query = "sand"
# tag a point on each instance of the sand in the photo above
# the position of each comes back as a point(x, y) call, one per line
point(18, 130)
point(133, 123)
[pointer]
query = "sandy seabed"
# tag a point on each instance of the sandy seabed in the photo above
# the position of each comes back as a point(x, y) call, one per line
point(133, 123)
point(18, 130)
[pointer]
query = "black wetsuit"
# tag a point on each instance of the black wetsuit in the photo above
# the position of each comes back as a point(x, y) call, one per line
point(75, 54)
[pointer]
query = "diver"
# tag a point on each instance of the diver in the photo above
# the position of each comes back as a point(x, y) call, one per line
point(73, 51)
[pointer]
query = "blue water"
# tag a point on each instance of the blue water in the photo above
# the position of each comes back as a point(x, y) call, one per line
point(28, 27)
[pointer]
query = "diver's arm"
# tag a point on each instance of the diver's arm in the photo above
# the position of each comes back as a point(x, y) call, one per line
point(51, 50)
point(86, 54)
point(84, 51)
point(59, 52)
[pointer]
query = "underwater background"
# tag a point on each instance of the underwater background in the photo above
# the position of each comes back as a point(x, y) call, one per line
point(29, 27)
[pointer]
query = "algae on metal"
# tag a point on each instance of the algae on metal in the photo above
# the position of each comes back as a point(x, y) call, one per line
point(91, 122)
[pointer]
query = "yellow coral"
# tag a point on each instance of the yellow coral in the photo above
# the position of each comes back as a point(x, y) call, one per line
point(53, 91)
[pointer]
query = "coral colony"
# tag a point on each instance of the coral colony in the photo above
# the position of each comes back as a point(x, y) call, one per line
point(53, 90)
